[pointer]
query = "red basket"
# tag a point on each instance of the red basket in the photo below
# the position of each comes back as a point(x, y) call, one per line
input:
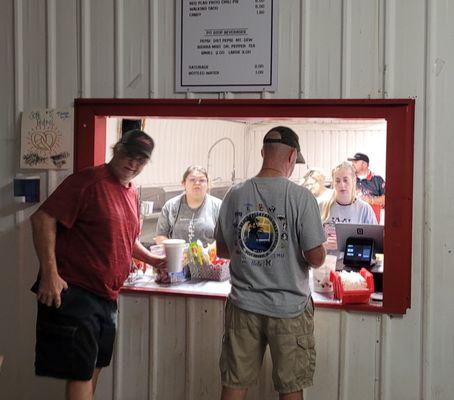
point(352, 296)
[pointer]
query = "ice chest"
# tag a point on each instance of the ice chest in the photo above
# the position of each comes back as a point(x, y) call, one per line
point(353, 296)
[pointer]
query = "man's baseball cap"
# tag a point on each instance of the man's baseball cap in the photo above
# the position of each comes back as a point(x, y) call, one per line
point(284, 135)
point(137, 142)
point(359, 157)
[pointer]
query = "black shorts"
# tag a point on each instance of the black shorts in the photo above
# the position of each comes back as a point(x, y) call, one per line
point(73, 340)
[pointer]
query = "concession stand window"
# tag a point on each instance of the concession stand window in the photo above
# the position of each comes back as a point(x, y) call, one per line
point(90, 149)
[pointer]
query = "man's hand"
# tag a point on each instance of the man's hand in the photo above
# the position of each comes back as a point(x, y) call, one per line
point(50, 288)
point(331, 242)
point(160, 268)
point(158, 262)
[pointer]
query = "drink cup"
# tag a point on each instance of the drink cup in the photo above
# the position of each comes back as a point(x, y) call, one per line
point(146, 208)
point(174, 253)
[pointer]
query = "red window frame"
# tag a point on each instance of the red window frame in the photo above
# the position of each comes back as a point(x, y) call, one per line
point(90, 143)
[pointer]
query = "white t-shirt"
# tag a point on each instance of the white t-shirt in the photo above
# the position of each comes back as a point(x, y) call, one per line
point(359, 212)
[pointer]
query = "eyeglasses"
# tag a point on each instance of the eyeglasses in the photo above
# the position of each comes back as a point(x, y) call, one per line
point(138, 159)
point(200, 180)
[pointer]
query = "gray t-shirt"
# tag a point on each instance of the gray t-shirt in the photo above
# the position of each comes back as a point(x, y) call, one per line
point(267, 224)
point(178, 221)
point(358, 212)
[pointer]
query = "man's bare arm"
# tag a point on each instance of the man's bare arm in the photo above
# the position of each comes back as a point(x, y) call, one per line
point(140, 252)
point(44, 229)
point(221, 247)
point(315, 256)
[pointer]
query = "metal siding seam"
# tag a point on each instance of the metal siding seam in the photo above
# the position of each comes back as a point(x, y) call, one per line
point(51, 16)
point(378, 351)
point(85, 49)
point(429, 126)
point(389, 37)
point(18, 58)
point(119, 49)
point(346, 50)
point(153, 354)
point(19, 216)
point(305, 47)
point(51, 30)
point(189, 306)
point(388, 91)
point(341, 378)
point(153, 49)
point(117, 361)
point(381, 47)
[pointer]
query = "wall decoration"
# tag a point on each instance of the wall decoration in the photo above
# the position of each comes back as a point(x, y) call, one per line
point(46, 139)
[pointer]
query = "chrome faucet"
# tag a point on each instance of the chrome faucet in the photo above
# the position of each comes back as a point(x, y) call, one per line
point(233, 161)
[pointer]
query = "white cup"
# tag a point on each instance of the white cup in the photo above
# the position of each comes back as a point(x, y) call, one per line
point(174, 253)
point(146, 208)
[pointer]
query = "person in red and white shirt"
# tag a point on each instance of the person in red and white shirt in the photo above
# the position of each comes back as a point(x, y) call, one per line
point(371, 187)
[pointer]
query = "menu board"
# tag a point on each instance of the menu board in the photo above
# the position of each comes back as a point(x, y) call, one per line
point(226, 45)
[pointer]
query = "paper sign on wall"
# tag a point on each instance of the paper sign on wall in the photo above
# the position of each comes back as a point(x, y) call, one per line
point(226, 45)
point(46, 139)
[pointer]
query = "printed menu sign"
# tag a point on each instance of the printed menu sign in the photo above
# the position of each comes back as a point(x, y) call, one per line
point(226, 45)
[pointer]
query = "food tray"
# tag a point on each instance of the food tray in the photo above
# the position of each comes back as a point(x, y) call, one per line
point(353, 296)
point(219, 272)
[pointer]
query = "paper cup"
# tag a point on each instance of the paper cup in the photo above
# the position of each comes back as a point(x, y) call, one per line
point(174, 253)
point(146, 208)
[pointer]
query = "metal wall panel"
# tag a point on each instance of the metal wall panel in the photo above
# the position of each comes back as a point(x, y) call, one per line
point(184, 142)
point(132, 57)
point(289, 49)
point(325, 144)
point(168, 348)
point(98, 66)
point(131, 366)
point(322, 48)
point(65, 79)
point(402, 356)
point(438, 324)
point(362, 49)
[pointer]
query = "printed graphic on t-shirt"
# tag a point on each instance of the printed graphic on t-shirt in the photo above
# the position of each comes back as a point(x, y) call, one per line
point(258, 234)
point(339, 220)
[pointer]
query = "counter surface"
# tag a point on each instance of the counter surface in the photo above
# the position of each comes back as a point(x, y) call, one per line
point(219, 290)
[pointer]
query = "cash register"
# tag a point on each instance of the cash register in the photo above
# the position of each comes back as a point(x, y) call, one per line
point(358, 245)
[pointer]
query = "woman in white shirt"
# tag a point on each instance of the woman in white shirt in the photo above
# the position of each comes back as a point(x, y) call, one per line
point(344, 206)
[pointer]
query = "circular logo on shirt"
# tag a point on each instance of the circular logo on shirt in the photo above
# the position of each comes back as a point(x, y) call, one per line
point(258, 234)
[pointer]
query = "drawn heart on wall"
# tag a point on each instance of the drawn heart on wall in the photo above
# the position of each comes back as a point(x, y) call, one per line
point(44, 141)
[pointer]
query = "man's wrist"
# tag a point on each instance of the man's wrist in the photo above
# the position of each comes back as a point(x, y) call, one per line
point(48, 271)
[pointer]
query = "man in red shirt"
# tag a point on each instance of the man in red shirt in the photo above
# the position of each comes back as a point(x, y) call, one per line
point(85, 235)
point(371, 187)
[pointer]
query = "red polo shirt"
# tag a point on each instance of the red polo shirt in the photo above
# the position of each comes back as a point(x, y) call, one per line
point(98, 223)
point(372, 185)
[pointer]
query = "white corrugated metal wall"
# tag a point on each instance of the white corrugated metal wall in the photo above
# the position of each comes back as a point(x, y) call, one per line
point(53, 51)
point(233, 145)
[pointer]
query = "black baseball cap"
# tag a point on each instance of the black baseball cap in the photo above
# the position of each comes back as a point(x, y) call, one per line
point(359, 157)
point(284, 135)
point(137, 142)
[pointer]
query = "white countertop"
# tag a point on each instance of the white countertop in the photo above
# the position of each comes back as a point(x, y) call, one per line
point(144, 283)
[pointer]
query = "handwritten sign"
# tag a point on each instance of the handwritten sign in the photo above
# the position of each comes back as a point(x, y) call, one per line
point(226, 45)
point(46, 138)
